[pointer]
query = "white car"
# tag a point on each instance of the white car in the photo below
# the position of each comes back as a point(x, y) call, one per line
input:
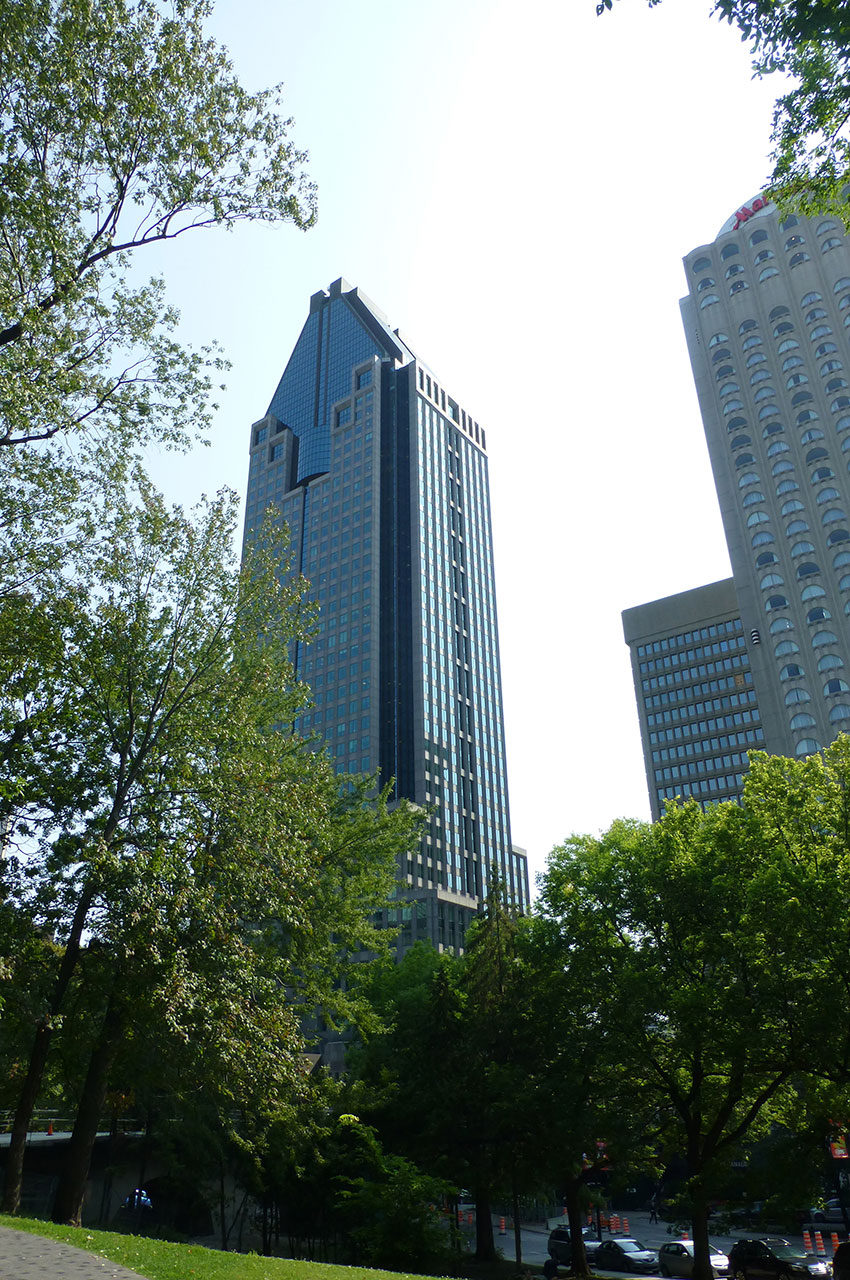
point(676, 1258)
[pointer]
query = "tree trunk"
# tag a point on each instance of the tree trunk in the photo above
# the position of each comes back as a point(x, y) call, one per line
point(485, 1248)
point(68, 1204)
point(702, 1255)
point(517, 1226)
point(579, 1265)
point(38, 1059)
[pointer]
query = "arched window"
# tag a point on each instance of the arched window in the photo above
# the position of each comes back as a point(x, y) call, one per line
point(754, 498)
point(775, 602)
point(729, 251)
point(771, 580)
point(785, 648)
point(717, 338)
point(793, 671)
point(807, 747)
point(801, 549)
point(821, 638)
point(738, 287)
point(766, 273)
point(766, 558)
point(779, 311)
point(780, 624)
point(795, 696)
point(807, 569)
point(832, 243)
point(829, 662)
point(701, 264)
point(839, 713)
point(815, 455)
point(818, 614)
point(746, 325)
point(832, 516)
point(837, 535)
point(707, 283)
point(802, 720)
point(708, 301)
point(834, 686)
point(814, 591)
point(757, 517)
point(762, 538)
point(758, 237)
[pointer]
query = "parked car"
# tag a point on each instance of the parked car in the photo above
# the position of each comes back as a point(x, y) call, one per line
point(774, 1258)
point(626, 1255)
point(676, 1258)
point(561, 1249)
point(830, 1211)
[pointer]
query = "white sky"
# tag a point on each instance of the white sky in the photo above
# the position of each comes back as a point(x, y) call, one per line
point(515, 187)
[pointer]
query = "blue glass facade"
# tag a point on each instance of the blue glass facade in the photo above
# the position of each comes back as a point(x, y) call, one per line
point(382, 479)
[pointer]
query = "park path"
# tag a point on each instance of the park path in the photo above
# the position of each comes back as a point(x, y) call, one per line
point(27, 1257)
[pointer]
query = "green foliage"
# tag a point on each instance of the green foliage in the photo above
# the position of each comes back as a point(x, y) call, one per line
point(810, 42)
point(123, 126)
point(203, 870)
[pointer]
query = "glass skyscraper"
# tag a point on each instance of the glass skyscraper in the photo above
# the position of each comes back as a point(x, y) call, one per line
point(382, 478)
point(767, 320)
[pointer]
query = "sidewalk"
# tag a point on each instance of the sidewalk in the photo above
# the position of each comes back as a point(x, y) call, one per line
point(27, 1257)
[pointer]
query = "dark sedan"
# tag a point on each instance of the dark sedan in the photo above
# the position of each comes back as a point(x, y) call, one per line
point(626, 1255)
point(772, 1258)
point(561, 1249)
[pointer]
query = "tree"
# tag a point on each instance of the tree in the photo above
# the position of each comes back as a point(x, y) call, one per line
point(810, 42)
point(175, 820)
point(452, 1065)
point(123, 126)
point(696, 974)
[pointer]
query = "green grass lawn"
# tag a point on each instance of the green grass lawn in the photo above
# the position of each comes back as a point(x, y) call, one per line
point(161, 1260)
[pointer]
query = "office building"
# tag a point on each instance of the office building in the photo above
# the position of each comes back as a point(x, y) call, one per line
point(381, 476)
point(696, 702)
point(766, 319)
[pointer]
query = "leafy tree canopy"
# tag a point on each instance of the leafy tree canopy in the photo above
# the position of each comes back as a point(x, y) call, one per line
point(121, 125)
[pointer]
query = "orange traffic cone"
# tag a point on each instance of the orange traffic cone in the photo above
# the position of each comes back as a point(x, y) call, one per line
point(501, 1226)
point(807, 1241)
point(626, 1225)
point(50, 1129)
point(834, 1241)
point(615, 1222)
point(819, 1243)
